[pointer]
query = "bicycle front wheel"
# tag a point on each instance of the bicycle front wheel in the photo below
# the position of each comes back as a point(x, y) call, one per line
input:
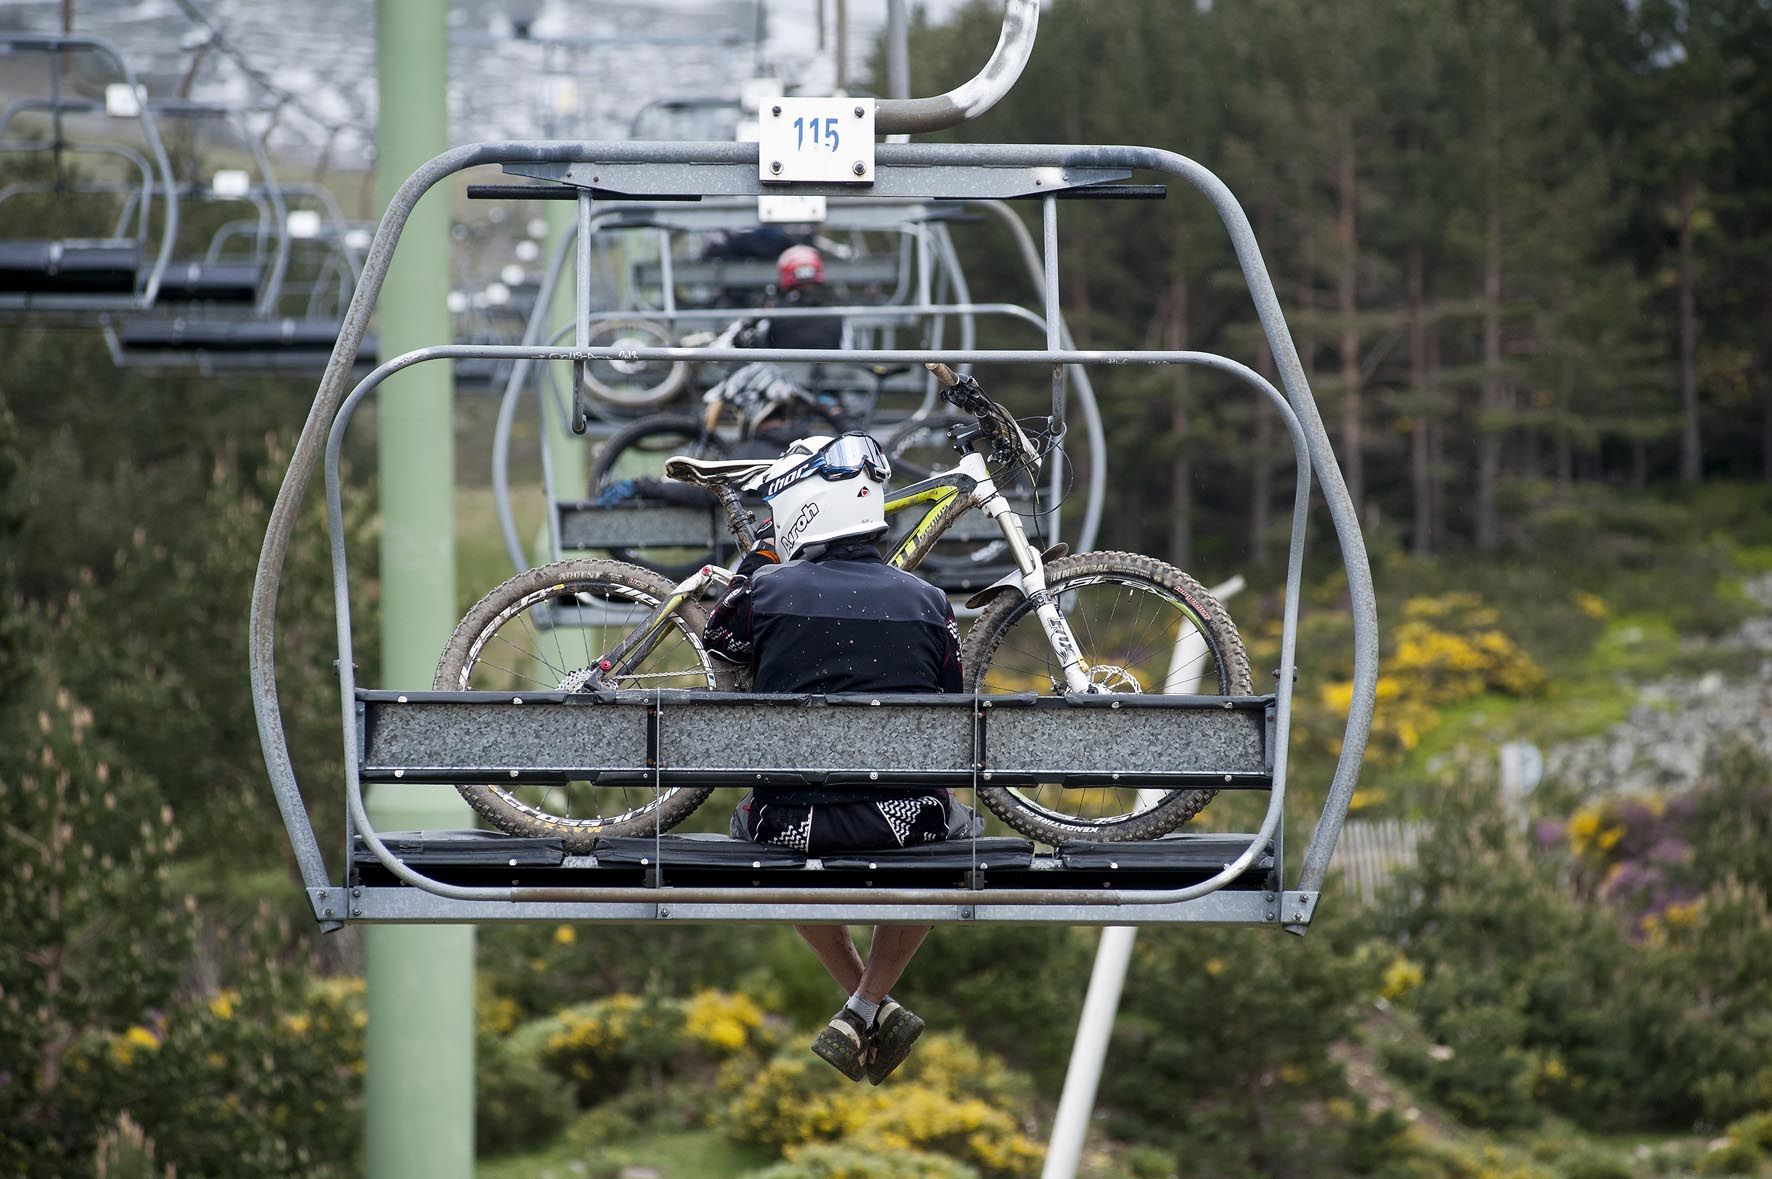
point(628, 387)
point(1143, 626)
point(544, 630)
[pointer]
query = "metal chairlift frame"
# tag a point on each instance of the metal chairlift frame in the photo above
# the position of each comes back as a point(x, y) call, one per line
point(456, 736)
point(153, 167)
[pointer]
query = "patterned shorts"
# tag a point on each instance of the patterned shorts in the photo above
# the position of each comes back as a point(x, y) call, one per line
point(829, 828)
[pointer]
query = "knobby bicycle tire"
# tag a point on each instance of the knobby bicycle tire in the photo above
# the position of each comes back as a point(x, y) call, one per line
point(628, 387)
point(540, 631)
point(1149, 605)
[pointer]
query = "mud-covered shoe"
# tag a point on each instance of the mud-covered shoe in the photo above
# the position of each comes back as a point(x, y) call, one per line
point(895, 1030)
point(843, 1044)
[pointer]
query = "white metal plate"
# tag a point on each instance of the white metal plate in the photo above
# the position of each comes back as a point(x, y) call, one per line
point(123, 101)
point(790, 207)
point(816, 140)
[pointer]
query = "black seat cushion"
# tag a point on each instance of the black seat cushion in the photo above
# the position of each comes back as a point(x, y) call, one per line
point(1209, 851)
point(996, 851)
point(456, 848)
point(69, 267)
point(695, 850)
point(209, 282)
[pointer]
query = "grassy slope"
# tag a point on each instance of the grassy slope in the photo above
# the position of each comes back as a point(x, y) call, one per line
point(685, 1154)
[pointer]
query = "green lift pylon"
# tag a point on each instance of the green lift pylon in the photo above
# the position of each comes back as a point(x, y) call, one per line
point(419, 1079)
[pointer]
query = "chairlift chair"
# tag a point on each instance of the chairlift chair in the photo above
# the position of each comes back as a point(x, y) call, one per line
point(931, 291)
point(662, 740)
point(76, 272)
point(302, 263)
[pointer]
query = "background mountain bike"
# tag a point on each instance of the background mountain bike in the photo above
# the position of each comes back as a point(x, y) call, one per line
point(1092, 623)
point(755, 413)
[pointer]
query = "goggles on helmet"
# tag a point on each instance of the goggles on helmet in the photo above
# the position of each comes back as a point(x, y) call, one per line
point(843, 457)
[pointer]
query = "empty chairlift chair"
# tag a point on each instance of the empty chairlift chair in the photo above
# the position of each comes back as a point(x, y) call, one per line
point(91, 179)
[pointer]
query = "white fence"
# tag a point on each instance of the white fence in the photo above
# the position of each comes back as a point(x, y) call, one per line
point(1371, 850)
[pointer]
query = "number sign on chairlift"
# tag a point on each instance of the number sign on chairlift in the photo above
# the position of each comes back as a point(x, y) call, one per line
point(816, 140)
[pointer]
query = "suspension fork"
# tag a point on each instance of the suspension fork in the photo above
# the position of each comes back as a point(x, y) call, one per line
point(1033, 576)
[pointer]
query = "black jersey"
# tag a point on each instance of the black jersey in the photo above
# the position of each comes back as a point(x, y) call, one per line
point(843, 621)
point(808, 331)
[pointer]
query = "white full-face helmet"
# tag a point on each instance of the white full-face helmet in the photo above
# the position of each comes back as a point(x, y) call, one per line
point(824, 489)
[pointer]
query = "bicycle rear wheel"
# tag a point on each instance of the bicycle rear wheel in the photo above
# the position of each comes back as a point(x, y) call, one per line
point(1143, 626)
point(544, 630)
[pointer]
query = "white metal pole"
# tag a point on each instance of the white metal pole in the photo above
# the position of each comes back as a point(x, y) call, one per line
point(1100, 1005)
point(1113, 954)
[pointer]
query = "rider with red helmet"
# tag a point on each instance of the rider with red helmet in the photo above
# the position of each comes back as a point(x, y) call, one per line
point(799, 273)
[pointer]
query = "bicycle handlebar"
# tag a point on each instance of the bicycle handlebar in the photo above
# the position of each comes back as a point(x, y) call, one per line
point(996, 422)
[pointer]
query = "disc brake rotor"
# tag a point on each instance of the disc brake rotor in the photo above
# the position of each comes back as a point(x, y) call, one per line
point(1105, 677)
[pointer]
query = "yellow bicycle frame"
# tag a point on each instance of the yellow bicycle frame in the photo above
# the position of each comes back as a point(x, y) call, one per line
point(938, 493)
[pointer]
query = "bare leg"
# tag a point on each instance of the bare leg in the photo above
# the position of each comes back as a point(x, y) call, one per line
point(894, 947)
point(836, 951)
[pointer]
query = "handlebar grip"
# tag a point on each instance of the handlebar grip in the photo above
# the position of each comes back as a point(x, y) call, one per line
point(943, 374)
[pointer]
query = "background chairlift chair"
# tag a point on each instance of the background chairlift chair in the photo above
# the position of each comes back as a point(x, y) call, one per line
point(293, 321)
point(932, 290)
point(102, 192)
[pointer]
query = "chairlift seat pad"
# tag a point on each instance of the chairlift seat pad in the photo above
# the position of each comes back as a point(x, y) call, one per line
point(465, 847)
point(709, 850)
point(88, 267)
point(196, 333)
point(695, 850)
point(1178, 850)
point(994, 851)
point(211, 282)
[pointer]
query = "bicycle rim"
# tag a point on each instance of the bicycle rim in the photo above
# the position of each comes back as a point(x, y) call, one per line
point(546, 632)
point(1143, 627)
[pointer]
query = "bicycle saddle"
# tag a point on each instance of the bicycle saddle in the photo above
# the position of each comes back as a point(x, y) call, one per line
point(693, 470)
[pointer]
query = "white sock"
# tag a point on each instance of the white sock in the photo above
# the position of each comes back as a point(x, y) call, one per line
point(863, 1008)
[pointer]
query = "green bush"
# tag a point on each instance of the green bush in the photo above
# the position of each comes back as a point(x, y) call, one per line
point(517, 1102)
point(603, 1047)
point(789, 1101)
point(1744, 1149)
point(257, 1080)
point(1222, 1051)
point(949, 1099)
point(1535, 1000)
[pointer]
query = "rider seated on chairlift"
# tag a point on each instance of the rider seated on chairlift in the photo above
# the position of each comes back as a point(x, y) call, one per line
point(813, 608)
point(799, 282)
